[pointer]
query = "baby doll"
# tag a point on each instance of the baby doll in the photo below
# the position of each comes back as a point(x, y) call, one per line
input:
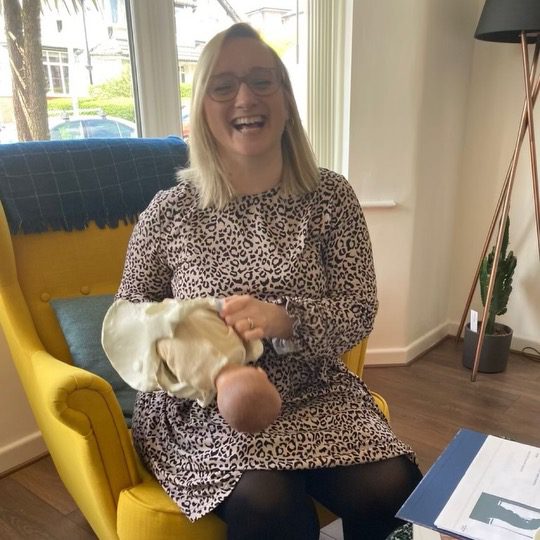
point(186, 349)
point(246, 399)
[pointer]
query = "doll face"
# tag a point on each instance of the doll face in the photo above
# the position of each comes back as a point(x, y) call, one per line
point(245, 104)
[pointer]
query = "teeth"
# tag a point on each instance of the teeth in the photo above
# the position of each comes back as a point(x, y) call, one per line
point(248, 120)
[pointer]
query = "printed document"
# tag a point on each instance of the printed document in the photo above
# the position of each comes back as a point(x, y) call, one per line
point(498, 497)
point(423, 533)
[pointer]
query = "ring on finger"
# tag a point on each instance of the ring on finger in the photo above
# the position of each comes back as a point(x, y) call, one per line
point(250, 322)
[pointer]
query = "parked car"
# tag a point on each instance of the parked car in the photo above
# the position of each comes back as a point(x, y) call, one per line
point(90, 127)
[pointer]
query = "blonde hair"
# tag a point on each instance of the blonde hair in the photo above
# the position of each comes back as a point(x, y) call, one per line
point(206, 170)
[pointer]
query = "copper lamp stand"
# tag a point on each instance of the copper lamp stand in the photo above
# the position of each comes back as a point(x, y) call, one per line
point(532, 88)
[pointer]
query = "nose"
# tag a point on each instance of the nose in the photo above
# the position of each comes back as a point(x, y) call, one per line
point(245, 95)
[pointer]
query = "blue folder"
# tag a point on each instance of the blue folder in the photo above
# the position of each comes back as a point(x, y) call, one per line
point(431, 495)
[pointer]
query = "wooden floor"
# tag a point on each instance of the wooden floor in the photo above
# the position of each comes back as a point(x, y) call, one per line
point(434, 396)
point(429, 401)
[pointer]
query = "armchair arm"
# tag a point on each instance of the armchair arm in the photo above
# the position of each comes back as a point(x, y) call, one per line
point(86, 434)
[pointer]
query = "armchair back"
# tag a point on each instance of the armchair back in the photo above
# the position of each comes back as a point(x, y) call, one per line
point(70, 207)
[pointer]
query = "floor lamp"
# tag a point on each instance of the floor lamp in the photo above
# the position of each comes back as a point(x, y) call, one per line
point(509, 21)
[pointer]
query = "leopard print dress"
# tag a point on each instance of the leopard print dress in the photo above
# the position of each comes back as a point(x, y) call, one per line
point(312, 254)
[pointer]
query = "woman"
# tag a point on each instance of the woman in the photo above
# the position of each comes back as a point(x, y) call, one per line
point(255, 222)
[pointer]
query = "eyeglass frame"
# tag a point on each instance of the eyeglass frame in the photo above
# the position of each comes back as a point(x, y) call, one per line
point(278, 78)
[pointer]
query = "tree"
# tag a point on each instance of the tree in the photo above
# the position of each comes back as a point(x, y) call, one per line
point(117, 87)
point(23, 35)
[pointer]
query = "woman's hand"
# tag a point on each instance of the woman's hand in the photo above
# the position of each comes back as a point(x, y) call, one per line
point(255, 319)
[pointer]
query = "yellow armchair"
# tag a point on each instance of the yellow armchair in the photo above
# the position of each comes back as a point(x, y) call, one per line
point(77, 412)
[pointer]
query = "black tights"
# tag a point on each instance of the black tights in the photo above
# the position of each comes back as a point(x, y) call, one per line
point(278, 505)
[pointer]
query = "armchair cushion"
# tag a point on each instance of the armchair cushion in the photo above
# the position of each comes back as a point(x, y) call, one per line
point(146, 508)
point(80, 319)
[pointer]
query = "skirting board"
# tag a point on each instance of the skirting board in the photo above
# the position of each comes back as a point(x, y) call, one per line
point(21, 451)
point(402, 356)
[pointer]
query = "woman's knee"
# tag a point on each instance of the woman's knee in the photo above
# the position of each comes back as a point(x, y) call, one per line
point(398, 476)
point(268, 505)
point(390, 482)
point(366, 496)
point(362, 490)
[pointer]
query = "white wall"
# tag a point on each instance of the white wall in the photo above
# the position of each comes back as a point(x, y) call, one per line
point(411, 65)
point(495, 105)
point(434, 117)
point(20, 439)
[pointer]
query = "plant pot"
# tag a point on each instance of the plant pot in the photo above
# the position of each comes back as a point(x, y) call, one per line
point(495, 349)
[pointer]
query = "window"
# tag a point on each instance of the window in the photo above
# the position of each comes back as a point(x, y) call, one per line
point(56, 67)
point(85, 56)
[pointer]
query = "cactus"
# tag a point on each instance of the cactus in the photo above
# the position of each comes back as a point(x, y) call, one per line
point(503, 280)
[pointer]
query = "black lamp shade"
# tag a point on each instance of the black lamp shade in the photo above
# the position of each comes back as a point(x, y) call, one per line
point(504, 20)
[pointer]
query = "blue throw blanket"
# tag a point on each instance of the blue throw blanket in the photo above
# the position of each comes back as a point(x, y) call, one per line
point(64, 185)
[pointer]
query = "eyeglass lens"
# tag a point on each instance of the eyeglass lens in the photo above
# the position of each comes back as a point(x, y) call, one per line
point(261, 81)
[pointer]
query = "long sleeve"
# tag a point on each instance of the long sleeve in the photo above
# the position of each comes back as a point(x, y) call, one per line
point(146, 276)
point(345, 314)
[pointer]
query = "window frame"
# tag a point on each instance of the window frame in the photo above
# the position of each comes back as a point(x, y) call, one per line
point(152, 36)
point(329, 80)
point(47, 66)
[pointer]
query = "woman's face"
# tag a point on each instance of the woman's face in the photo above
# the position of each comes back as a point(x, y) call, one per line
point(246, 125)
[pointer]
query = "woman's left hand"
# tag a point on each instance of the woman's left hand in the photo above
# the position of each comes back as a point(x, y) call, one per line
point(255, 319)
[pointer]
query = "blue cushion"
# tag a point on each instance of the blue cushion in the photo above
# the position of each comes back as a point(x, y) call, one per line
point(81, 319)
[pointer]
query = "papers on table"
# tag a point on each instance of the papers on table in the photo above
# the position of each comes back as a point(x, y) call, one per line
point(421, 533)
point(482, 488)
point(498, 498)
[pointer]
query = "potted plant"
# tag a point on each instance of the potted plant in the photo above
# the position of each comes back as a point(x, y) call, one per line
point(498, 337)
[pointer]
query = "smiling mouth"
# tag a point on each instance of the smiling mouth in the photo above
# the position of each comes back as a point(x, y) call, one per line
point(247, 123)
